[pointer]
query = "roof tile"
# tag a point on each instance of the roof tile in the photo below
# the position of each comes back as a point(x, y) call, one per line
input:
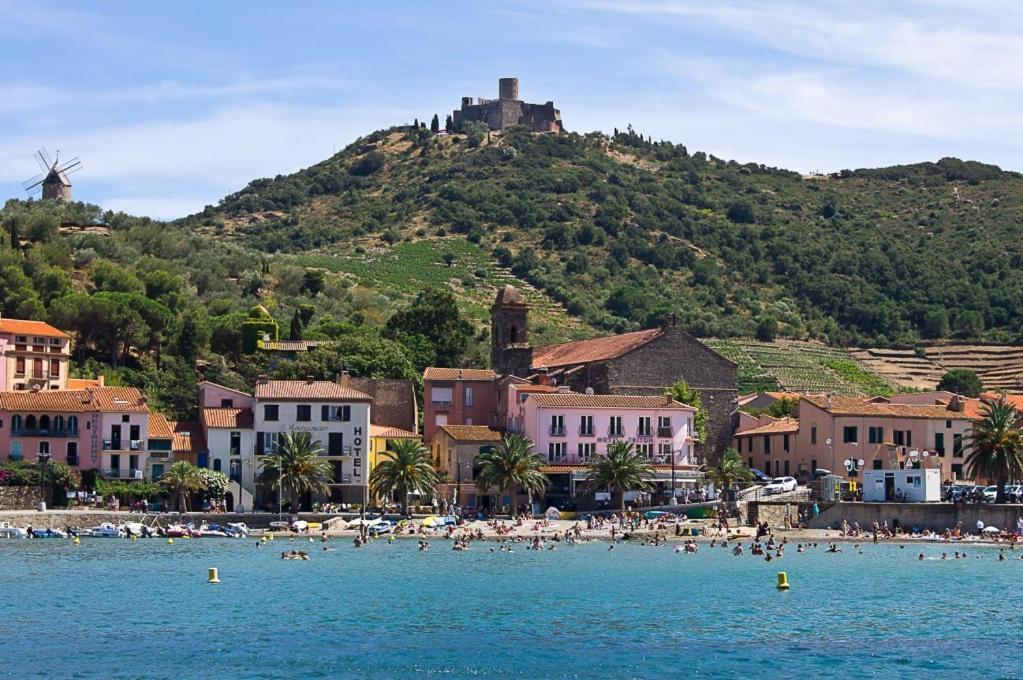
point(392, 432)
point(25, 327)
point(596, 349)
point(321, 390)
point(856, 406)
point(227, 417)
point(572, 399)
point(101, 399)
point(471, 433)
point(472, 374)
point(780, 426)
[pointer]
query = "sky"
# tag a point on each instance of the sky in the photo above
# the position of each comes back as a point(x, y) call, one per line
point(171, 106)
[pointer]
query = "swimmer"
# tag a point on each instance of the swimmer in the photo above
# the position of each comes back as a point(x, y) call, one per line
point(737, 550)
point(921, 557)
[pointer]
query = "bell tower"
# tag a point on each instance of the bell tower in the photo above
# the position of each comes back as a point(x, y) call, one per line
point(510, 353)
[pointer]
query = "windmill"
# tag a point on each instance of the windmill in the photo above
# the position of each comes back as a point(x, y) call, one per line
point(54, 179)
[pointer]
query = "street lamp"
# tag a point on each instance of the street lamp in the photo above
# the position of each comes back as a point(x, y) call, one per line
point(854, 465)
point(918, 457)
point(44, 459)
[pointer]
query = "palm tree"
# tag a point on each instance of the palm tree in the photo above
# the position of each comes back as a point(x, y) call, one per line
point(404, 470)
point(621, 470)
point(997, 446)
point(510, 465)
point(181, 478)
point(730, 470)
point(295, 467)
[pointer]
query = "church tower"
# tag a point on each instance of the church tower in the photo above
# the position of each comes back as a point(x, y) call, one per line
point(510, 353)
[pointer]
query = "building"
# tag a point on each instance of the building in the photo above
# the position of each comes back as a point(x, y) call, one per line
point(458, 396)
point(764, 400)
point(160, 444)
point(454, 449)
point(394, 402)
point(101, 428)
point(33, 355)
point(381, 440)
point(508, 110)
point(903, 486)
point(644, 362)
point(768, 444)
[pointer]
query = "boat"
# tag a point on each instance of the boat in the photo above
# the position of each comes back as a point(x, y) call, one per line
point(179, 531)
point(237, 529)
point(48, 533)
point(8, 530)
point(207, 531)
point(106, 530)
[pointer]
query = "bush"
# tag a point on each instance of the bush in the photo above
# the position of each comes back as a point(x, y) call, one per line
point(368, 164)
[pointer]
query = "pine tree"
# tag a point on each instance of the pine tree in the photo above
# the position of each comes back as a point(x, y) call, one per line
point(449, 124)
point(435, 124)
point(415, 122)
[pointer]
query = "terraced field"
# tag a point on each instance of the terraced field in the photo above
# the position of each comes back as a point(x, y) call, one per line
point(473, 276)
point(1000, 367)
point(799, 367)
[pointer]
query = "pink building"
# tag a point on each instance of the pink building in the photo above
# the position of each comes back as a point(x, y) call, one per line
point(458, 396)
point(33, 354)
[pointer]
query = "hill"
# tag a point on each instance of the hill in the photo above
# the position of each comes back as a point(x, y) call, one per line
point(620, 230)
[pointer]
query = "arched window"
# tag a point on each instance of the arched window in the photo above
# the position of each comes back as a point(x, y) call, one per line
point(58, 424)
point(44, 423)
point(72, 425)
point(30, 422)
point(15, 424)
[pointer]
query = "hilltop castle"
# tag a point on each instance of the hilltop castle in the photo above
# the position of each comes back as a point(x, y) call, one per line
point(508, 110)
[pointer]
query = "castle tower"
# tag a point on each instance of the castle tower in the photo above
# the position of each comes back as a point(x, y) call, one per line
point(508, 88)
point(510, 353)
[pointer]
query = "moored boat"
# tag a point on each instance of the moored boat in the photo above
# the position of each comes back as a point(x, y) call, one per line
point(8, 530)
point(106, 530)
point(47, 533)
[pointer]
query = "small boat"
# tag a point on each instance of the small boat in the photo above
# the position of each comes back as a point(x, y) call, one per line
point(207, 531)
point(237, 529)
point(106, 530)
point(8, 530)
point(48, 533)
point(179, 531)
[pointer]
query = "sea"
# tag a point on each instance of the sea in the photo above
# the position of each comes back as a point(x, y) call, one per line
point(114, 608)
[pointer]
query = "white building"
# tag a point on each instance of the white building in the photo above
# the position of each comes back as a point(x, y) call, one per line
point(909, 486)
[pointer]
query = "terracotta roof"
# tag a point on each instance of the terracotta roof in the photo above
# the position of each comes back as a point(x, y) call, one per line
point(101, 399)
point(316, 390)
point(780, 426)
point(572, 399)
point(1015, 400)
point(597, 349)
point(782, 395)
point(536, 389)
point(188, 437)
point(229, 389)
point(856, 406)
point(82, 383)
point(471, 433)
point(160, 427)
point(392, 432)
point(227, 417)
point(473, 374)
point(23, 327)
point(293, 345)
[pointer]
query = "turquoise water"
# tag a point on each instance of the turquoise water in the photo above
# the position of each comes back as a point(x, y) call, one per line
point(116, 609)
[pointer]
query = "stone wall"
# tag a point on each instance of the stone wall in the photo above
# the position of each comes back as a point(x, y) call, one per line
point(19, 497)
point(772, 513)
point(936, 516)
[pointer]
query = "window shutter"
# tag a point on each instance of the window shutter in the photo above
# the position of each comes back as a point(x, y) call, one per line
point(324, 412)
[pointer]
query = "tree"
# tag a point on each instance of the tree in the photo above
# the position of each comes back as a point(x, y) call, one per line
point(510, 465)
point(404, 470)
point(741, 212)
point(621, 470)
point(295, 467)
point(767, 328)
point(786, 407)
point(730, 470)
point(997, 449)
point(296, 326)
point(435, 124)
point(449, 124)
point(313, 280)
point(192, 338)
point(181, 478)
point(936, 324)
point(961, 381)
point(690, 396)
point(217, 483)
point(434, 317)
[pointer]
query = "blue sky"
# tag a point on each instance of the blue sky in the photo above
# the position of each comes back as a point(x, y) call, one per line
point(171, 106)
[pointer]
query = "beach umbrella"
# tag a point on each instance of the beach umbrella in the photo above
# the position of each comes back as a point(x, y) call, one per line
point(991, 530)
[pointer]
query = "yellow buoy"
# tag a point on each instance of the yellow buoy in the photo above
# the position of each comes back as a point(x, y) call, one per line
point(783, 580)
point(77, 541)
point(214, 576)
point(133, 537)
point(170, 541)
point(270, 536)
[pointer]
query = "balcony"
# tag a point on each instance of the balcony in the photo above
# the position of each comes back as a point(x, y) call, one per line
point(135, 445)
point(556, 431)
point(441, 402)
point(112, 473)
point(586, 432)
point(23, 432)
point(665, 432)
point(615, 434)
point(110, 445)
point(160, 455)
point(644, 433)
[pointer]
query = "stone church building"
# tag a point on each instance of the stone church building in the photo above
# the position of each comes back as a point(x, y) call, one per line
point(644, 362)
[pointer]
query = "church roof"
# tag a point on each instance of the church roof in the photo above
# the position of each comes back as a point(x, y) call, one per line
point(509, 295)
point(596, 349)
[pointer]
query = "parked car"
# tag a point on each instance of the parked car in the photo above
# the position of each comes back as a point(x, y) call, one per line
point(990, 493)
point(781, 485)
point(759, 477)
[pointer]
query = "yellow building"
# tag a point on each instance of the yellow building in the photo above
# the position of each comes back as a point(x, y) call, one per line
point(380, 439)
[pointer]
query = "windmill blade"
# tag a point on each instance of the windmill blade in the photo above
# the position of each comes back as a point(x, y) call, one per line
point(64, 167)
point(30, 184)
point(72, 170)
point(38, 155)
point(44, 155)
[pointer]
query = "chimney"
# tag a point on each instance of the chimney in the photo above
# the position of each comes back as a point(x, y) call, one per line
point(262, 380)
point(344, 379)
point(100, 380)
point(543, 377)
point(667, 398)
point(957, 404)
point(309, 380)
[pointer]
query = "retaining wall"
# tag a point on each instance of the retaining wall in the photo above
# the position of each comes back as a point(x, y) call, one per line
point(936, 516)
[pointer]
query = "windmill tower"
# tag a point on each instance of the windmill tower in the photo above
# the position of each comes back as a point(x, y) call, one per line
point(54, 180)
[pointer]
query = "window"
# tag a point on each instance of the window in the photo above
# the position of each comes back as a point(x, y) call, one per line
point(939, 443)
point(643, 430)
point(786, 470)
point(750, 463)
point(586, 426)
point(957, 471)
point(767, 443)
point(125, 418)
point(813, 464)
point(556, 452)
point(344, 413)
point(227, 403)
point(468, 396)
point(785, 444)
point(236, 444)
point(44, 447)
point(614, 427)
point(303, 413)
point(37, 368)
point(58, 425)
point(15, 451)
point(645, 450)
point(54, 368)
point(663, 426)
point(335, 445)
point(440, 396)
point(72, 454)
point(948, 424)
point(957, 445)
point(266, 442)
point(878, 464)
point(749, 444)
point(441, 419)
point(899, 437)
point(587, 451)
point(813, 434)
point(115, 465)
point(558, 425)
point(875, 435)
point(72, 425)
point(664, 452)
point(271, 412)
point(850, 434)
point(909, 437)
point(216, 465)
point(235, 470)
point(19, 366)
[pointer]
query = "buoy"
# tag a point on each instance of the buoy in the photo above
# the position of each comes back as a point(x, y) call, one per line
point(270, 536)
point(263, 539)
point(133, 537)
point(170, 541)
point(77, 541)
point(310, 539)
point(214, 576)
point(783, 580)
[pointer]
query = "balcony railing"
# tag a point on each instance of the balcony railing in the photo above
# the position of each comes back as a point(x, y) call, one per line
point(110, 445)
point(615, 434)
point(644, 432)
point(557, 431)
point(441, 402)
point(112, 473)
point(135, 445)
point(665, 432)
point(25, 432)
point(586, 432)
